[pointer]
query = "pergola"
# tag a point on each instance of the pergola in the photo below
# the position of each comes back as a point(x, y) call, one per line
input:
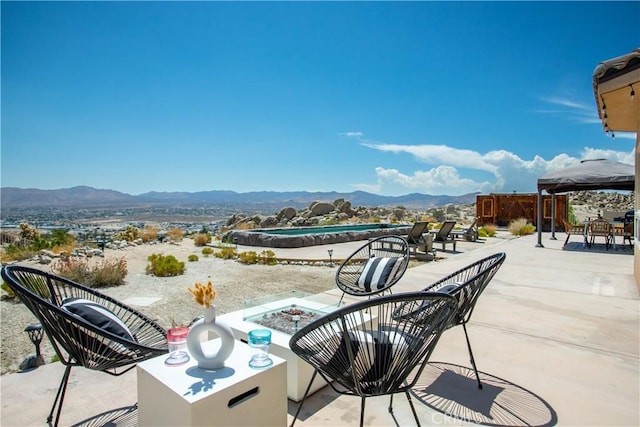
point(598, 174)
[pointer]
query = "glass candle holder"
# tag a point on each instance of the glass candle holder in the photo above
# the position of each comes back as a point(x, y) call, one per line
point(259, 340)
point(177, 341)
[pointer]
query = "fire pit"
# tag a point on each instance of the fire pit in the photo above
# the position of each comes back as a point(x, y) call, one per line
point(288, 320)
point(284, 314)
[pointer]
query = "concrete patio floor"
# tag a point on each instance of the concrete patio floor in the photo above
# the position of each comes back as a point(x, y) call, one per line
point(555, 336)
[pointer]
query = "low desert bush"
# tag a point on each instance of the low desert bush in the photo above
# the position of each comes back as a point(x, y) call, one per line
point(226, 253)
point(488, 230)
point(268, 257)
point(130, 234)
point(192, 257)
point(164, 265)
point(207, 251)
point(91, 273)
point(8, 290)
point(15, 252)
point(248, 257)
point(201, 239)
point(520, 227)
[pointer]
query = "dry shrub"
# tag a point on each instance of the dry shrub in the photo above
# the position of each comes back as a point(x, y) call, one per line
point(91, 273)
point(175, 234)
point(201, 239)
point(149, 233)
point(520, 227)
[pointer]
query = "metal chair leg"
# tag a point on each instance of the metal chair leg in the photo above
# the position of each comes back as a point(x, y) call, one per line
point(413, 409)
point(62, 389)
point(315, 372)
point(473, 362)
point(362, 411)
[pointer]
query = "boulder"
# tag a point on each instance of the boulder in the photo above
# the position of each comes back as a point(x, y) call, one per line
point(269, 222)
point(321, 208)
point(287, 213)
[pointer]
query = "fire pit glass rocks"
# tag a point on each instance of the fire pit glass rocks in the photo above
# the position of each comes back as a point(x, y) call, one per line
point(286, 312)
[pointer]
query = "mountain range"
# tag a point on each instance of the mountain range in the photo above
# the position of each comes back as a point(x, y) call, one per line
point(88, 197)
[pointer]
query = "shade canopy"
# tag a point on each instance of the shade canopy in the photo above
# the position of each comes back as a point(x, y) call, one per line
point(597, 174)
point(614, 81)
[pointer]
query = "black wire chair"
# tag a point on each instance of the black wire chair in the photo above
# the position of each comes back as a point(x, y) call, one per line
point(466, 285)
point(374, 268)
point(76, 341)
point(370, 348)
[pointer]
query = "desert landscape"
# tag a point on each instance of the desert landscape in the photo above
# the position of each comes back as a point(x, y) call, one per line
point(166, 299)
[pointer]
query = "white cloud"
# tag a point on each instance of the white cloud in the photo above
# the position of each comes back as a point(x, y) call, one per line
point(571, 110)
point(438, 154)
point(352, 134)
point(455, 167)
point(565, 102)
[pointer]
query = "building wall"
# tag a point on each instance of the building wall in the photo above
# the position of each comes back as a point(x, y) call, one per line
point(501, 209)
point(636, 240)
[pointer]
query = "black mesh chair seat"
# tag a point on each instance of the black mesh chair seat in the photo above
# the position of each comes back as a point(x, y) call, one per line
point(374, 268)
point(77, 341)
point(366, 349)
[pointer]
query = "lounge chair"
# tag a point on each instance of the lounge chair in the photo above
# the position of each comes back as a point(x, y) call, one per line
point(85, 327)
point(420, 240)
point(469, 233)
point(371, 348)
point(374, 268)
point(443, 235)
point(574, 230)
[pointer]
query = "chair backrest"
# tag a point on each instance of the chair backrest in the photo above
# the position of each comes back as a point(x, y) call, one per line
point(468, 283)
point(444, 231)
point(370, 350)
point(600, 227)
point(374, 267)
point(416, 232)
point(571, 228)
point(76, 340)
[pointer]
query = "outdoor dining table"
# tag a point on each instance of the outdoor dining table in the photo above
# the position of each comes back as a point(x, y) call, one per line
point(613, 226)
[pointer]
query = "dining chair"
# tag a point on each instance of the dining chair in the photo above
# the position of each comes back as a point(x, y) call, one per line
point(600, 228)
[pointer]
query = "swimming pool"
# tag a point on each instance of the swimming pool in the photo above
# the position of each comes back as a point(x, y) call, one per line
point(298, 237)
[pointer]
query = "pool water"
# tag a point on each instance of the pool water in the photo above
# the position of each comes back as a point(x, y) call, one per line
point(297, 237)
point(298, 231)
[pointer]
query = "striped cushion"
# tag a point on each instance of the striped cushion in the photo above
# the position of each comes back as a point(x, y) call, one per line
point(98, 315)
point(376, 272)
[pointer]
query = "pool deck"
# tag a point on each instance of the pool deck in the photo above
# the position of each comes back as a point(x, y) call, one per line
point(556, 336)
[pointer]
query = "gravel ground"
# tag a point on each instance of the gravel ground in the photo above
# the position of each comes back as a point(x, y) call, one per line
point(234, 283)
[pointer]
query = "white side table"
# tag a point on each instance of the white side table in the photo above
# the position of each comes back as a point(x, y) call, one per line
point(236, 395)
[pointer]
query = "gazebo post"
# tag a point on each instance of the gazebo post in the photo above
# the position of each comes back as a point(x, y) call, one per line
point(553, 216)
point(539, 220)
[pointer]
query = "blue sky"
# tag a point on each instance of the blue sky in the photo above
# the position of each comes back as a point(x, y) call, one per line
point(386, 97)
